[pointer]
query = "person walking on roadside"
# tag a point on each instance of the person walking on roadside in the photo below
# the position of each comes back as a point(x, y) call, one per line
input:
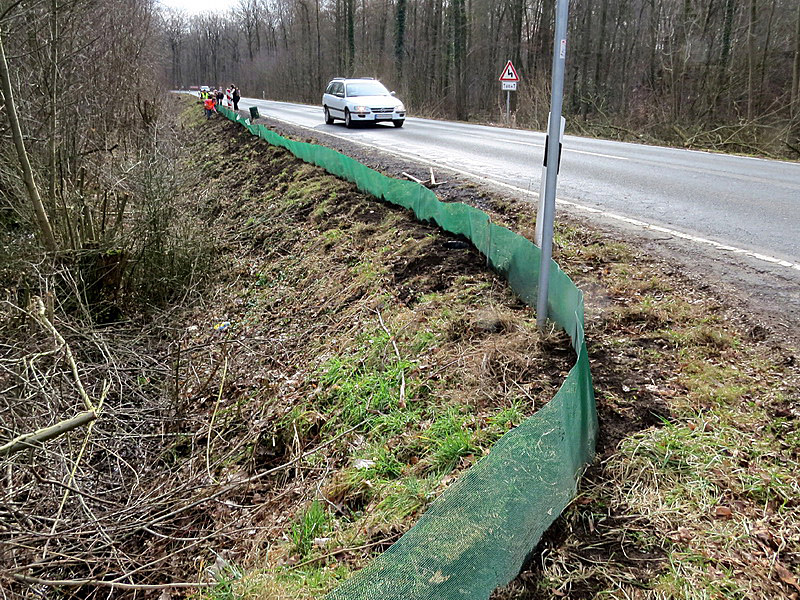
point(219, 96)
point(236, 97)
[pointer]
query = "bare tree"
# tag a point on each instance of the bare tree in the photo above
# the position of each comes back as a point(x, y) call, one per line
point(45, 231)
point(795, 97)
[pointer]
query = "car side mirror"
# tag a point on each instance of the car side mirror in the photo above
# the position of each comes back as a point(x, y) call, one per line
point(393, 93)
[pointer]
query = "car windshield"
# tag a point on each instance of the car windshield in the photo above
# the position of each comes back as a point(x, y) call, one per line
point(366, 88)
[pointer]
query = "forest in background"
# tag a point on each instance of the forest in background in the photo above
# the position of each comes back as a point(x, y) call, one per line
point(89, 77)
point(720, 74)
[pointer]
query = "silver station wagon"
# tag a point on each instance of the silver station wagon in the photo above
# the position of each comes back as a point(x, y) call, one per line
point(364, 99)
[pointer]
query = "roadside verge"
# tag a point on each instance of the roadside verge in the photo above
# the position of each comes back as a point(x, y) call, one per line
point(476, 536)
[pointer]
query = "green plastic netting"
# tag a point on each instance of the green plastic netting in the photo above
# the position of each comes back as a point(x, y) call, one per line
point(476, 536)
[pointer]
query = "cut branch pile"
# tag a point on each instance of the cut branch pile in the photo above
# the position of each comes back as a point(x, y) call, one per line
point(94, 493)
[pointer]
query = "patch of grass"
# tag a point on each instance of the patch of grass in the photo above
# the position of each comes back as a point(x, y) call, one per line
point(313, 523)
point(332, 237)
point(403, 498)
point(448, 451)
point(711, 384)
point(356, 392)
point(449, 438)
point(423, 339)
point(305, 583)
point(508, 417)
point(695, 576)
point(397, 421)
point(227, 579)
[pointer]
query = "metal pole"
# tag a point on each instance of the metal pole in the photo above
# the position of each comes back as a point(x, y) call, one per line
point(542, 184)
point(508, 107)
point(556, 97)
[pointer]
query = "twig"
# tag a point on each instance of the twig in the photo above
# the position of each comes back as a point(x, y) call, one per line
point(255, 477)
point(41, 479)
point(402, 402)
point(29, 440)
point(341, 550)
point(72, 472)
point(412, 178)
point(111, 584)
point(42, 318)
point(213, 417)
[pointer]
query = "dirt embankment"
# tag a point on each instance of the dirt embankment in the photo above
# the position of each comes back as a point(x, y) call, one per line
point(685, 379)
point(766, 295)
point(346, 363)
point(341, 366)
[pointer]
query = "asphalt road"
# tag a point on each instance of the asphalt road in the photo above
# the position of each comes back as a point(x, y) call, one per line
point(733, 204)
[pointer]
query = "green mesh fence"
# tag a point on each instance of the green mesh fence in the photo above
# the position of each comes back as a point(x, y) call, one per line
point(476, 536)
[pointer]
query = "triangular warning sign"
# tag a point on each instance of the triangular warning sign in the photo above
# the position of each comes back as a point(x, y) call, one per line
point(509, 73)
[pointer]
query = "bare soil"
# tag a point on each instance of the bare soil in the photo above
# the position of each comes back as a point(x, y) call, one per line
point(638, 374)
point(765, 296)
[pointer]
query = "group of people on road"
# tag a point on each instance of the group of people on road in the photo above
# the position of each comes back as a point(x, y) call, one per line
point(212, 98)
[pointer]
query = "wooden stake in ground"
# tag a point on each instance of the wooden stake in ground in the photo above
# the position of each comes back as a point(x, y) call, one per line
point(42, 221)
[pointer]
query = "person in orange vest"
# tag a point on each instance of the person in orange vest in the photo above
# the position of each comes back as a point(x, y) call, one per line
point(209, 105)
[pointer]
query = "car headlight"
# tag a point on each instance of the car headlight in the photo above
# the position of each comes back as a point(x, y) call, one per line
point(361, 109)
point(400, 108)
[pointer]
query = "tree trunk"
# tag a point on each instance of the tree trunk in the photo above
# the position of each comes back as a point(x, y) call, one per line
point(351, 37)
point(796, 69)
point(53, 103)
point(320, 83)
point(725, 52)
point(400, 38)
point(517, 13)
point(764, 55)
point(600, 48)
point(751, 58)
point(460, 58)
point(46, 232)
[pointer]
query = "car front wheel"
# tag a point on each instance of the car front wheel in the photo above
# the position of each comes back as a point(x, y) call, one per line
point(328, 117)
point(398, 122)
point(348, 122)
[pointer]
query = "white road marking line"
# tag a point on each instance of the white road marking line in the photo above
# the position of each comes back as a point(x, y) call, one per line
point(610, 215)
point(571, 150)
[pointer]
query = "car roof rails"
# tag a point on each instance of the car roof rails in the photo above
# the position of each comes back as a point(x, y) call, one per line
point(338, 79)
point(366, 78)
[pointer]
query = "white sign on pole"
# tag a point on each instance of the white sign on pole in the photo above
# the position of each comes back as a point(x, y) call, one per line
point(510, 85)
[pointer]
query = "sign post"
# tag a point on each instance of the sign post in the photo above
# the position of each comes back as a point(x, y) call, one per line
point(509, 79)
point(553, 129)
